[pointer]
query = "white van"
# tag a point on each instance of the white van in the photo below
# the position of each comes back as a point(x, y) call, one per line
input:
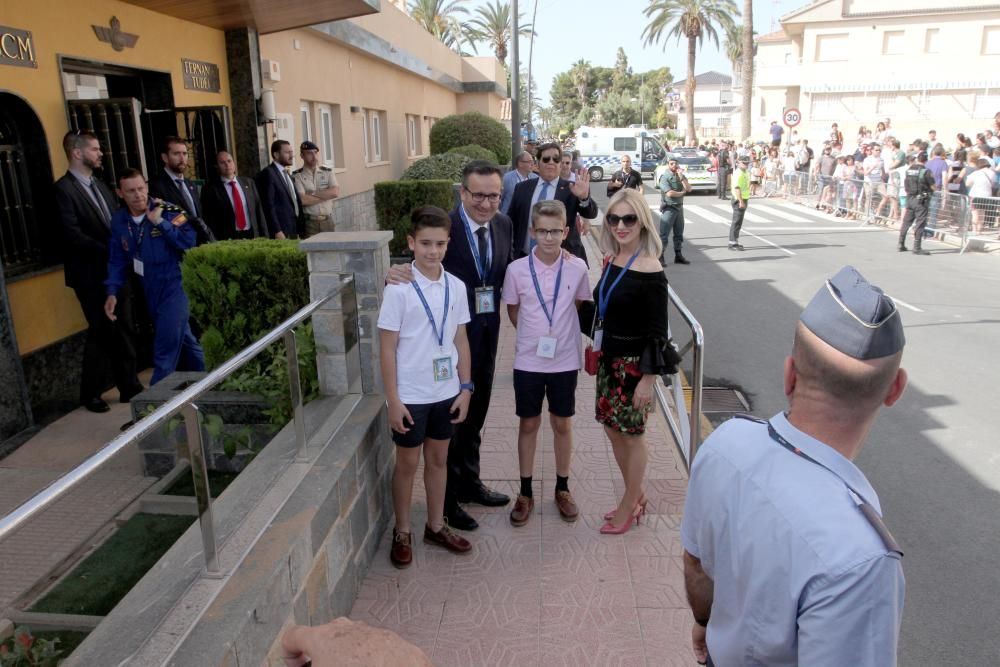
point(602, 148)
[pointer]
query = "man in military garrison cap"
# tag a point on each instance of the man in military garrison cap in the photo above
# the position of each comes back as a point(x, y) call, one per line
point(786, 558)
point(317, 188)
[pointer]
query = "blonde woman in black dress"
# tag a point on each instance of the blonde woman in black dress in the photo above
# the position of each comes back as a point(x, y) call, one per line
point(631, 333)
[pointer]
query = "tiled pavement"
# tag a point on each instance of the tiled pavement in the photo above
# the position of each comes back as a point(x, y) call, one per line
point(549, 593)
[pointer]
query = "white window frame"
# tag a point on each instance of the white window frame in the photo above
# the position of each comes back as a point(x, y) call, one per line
point(828, 39)
point(376, 144)
point(364, 135)
point(932, 40)
point(991, 40)
point(414, 135)
point(305, 117)
point(327, 140)
point(823, 106)
point(886, 103)
point(890, 47)
point(985, 105)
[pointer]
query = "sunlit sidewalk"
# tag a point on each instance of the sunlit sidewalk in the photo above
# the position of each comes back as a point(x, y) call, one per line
point(548, 593)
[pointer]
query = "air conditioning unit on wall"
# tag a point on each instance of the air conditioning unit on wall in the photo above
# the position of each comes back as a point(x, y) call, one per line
point(271, 70)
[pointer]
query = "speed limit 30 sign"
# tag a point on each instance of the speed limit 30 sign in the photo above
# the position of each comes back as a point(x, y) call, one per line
point(792, 117)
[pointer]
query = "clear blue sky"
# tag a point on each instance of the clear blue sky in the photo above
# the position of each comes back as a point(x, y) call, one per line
point(593, 30)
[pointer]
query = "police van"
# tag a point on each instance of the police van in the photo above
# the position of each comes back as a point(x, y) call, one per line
point(602, 149)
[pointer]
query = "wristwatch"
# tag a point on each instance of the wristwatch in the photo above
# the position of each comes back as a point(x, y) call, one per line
point(467, 385)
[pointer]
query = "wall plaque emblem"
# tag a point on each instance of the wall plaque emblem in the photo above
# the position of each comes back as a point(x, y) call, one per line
point(114, 36)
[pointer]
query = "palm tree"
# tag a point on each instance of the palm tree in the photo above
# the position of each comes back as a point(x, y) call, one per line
point(441, 18)
point(492, 24)
point(693, 19)
point(580, 74)
point(733, 45)
point(749, 51)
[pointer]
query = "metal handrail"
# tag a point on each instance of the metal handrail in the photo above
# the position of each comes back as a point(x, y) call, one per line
point(184, 402)
point(687, 432)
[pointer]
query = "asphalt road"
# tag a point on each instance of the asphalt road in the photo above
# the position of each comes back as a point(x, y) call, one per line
point(934, 457)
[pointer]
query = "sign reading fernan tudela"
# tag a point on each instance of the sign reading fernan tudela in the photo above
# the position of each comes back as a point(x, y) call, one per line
point(16, 47)
point(201, 76)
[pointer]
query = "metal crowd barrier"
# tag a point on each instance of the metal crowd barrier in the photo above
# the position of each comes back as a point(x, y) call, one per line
point(686, 425)
point(185, 404)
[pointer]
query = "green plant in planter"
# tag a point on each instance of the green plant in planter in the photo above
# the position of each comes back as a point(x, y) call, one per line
point(26, 650)
point(395, 200)
point(239, 291)
point(447, 167)
point(474, 152)
point(471, 128)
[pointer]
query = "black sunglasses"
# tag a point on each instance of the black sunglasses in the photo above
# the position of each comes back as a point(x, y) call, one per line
point(548, 158)
point(629, 219)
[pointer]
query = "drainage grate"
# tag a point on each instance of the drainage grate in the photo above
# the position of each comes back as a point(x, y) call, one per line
point(719, 399)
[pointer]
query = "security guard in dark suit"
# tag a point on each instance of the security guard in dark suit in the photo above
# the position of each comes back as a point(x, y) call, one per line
point(919, 185)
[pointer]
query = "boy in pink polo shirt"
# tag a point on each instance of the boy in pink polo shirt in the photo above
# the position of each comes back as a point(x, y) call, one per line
point(542, 292)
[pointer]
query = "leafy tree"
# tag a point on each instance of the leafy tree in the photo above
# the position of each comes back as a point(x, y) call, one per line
point(492, 24)
point(445, 19)
point(693, 20)
point(617, 109)
point(621, 78)
point(580, 76)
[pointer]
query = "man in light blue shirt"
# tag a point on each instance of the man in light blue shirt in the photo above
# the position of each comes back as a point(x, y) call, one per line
point(786, 558)
point(521, 172)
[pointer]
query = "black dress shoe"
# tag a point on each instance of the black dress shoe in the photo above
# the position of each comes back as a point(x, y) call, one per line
point(460, 519)
point(127, 425)
point(96, 404)
point(483, 496)
point(680, 259)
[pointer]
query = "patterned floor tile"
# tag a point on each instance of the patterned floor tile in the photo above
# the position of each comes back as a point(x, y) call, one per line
point(659, 535)
point(658, 582)
point(666, 637)
point(418, 625)
point(586, 580)
point(488, 635)
point(599, 636)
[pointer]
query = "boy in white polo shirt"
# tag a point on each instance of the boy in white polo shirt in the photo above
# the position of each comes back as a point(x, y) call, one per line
point(426, 370)
point(542, 292)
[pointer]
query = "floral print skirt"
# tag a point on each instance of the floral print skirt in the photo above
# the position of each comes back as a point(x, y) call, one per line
point(617, 378)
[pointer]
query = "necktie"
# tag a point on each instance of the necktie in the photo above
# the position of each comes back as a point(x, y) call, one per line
point(101, 204)
point(544, 194)
point(241, 216)
point(187, 196)
point(291, 191)
point(481, 242)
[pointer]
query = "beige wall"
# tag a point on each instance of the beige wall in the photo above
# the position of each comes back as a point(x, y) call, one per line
point(320, 69)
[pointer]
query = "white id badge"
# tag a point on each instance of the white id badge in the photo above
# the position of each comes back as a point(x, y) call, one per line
point(598, 337)
point(442, 369)
point(484, 300)
point(137, 266)
point(546, 347)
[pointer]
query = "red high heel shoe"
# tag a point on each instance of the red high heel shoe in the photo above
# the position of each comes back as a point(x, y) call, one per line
point(611, 529)
point(643, 500)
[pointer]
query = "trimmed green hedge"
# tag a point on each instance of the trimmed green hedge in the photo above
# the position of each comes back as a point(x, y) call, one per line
point(240, 290)
point(447, 166)
point(474, 152)
point(395, 200)
point(471, 128)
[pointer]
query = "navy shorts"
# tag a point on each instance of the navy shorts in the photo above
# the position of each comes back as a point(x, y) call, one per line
point(559, 388)
point(430, 420)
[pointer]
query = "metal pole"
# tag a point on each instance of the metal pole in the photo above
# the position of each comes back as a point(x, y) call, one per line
point(202, 492)
point(515, 87)
point(531, 54)
point(698, 371)
point(295, 391)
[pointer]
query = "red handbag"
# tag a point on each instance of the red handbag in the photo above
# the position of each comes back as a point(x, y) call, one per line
point(591, 357)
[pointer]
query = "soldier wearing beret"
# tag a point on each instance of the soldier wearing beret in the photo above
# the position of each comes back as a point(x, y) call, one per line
point(786, 558)
point(317, 188)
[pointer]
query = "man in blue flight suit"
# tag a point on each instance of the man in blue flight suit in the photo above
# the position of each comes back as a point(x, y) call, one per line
point(151, 243)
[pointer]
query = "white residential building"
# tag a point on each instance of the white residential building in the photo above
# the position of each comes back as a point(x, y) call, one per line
point(923, 63)
point(716, 106)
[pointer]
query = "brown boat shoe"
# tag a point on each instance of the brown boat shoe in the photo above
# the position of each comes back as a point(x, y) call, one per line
point(448, 539)
point(522, 510)
point(567, 506)
point(401, 553)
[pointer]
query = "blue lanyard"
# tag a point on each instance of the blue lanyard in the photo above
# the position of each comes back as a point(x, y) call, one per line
point(474, 247)
point(439, 334)
point(538, 288)
point(604, 298)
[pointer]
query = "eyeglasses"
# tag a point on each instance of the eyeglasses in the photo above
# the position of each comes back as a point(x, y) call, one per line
point(549, 158)
point(629, 219)
point(480, 197)
point(549, 233)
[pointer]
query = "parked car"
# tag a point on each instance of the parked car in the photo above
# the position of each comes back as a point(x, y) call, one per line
point(698, 169)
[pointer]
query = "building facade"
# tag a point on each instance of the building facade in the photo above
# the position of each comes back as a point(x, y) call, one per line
point(716, 106)
point(926, 65)
point(135, 75)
